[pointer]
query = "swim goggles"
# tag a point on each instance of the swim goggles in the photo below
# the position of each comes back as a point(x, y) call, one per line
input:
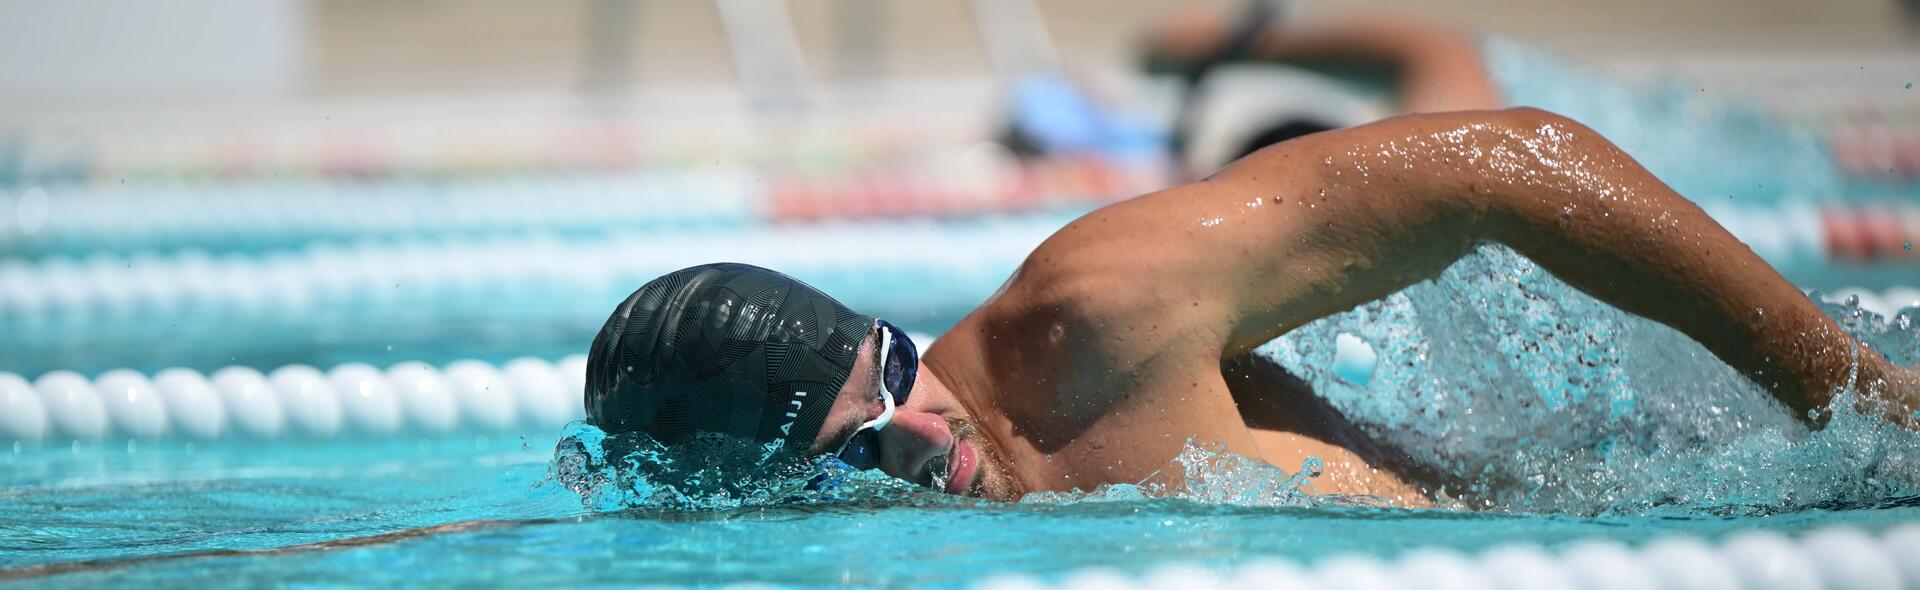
point(899, 364)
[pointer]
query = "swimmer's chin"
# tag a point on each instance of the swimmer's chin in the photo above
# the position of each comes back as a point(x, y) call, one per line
point(1002, 493)
point(989, 477)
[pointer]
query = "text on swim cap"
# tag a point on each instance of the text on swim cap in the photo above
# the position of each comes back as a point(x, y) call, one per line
point(793, 414)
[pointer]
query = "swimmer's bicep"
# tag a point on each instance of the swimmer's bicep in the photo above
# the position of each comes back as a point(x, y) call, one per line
point(1331, 228)
point(1227, 252)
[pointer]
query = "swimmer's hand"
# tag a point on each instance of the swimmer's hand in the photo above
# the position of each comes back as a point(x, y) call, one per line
point(1907, 398)
point(1895, 396)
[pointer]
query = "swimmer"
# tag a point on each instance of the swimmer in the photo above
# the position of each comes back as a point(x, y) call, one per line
point(1432, 67)
point(1122, 336)
point(1429, 67)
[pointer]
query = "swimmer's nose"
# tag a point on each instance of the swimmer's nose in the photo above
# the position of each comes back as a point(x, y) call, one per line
point(910, 443)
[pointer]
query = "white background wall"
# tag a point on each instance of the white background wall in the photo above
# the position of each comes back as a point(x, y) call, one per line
point(113, 61)
point(121, 53)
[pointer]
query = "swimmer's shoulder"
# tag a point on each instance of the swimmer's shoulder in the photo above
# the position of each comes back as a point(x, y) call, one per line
point(1103, 291)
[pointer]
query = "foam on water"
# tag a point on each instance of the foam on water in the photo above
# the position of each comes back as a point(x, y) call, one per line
point(711, 472)
point(1533, 396)
point(630, 471)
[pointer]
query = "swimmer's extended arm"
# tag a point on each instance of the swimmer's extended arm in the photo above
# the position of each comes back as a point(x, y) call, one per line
point(1324, 223)
point(1436, 68)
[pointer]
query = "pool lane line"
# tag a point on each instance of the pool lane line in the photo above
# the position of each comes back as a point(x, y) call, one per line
point(107, 564)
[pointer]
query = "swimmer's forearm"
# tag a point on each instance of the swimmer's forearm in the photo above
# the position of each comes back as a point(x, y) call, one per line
point(1574, 203)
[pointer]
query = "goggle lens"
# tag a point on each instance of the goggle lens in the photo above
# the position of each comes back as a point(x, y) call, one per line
point(900, 364)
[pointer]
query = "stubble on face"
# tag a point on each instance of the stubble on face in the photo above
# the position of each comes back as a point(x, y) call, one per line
point(994, 481)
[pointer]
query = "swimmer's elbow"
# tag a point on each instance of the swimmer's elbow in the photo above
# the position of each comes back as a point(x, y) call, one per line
point(1531, 114)
point(1545, 132)
point(1519, 145)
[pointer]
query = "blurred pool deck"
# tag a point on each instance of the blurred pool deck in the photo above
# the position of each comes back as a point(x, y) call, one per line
point(115, 64)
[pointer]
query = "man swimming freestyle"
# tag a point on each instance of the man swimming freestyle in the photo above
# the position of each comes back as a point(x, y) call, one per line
point(1103, 354)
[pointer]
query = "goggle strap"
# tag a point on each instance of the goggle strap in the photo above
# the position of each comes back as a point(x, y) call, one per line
point(886, 396)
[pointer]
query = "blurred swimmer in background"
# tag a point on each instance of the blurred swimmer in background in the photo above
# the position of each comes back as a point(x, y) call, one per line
point(1253, 79)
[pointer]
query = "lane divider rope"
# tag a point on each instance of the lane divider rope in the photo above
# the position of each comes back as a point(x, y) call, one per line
point(292, 402)
point(1833, 557)
point(421, 276)
point(253, 215)
point(407, 275)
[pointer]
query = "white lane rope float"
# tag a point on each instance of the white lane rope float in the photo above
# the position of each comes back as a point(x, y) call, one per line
point(415, 277)
point(292, 402)
point(1838, 557)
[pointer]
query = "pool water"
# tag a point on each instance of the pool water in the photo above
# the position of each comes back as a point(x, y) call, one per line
point(121, 506)
point(162, 514)
point(1560, 418)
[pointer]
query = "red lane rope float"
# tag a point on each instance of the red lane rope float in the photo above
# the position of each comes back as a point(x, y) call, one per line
point(1870, 234)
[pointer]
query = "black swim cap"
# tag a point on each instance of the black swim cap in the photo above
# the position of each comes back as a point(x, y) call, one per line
point(723, 348)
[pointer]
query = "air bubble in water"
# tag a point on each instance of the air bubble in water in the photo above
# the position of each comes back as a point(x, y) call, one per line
point(1354, 359)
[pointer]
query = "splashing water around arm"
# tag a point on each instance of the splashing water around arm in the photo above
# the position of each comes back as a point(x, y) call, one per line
point(1351, 216)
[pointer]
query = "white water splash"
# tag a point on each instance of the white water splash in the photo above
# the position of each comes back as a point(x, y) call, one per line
point(1529, 395)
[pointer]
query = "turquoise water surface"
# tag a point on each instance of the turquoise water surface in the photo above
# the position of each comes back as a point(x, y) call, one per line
point(115, 505)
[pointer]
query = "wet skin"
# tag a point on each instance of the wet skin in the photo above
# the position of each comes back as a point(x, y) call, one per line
point(1104, 353)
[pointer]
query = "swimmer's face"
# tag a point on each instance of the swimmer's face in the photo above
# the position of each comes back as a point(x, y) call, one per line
point(931, 440)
